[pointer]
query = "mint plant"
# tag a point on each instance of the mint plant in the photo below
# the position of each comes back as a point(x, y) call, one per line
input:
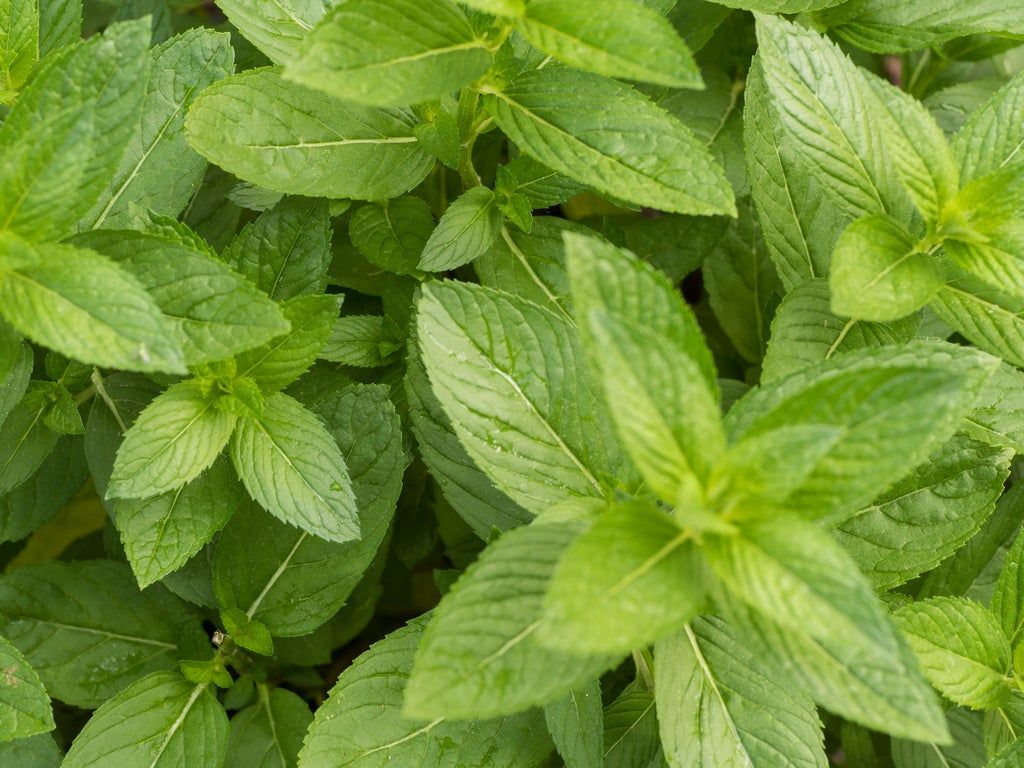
point(511, 384)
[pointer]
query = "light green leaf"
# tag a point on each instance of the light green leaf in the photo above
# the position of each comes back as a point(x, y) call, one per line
point(60, 24)
point(928, 515)
point(361, 724)
point(780, 6)
point(276, 28)
point(268, 734)
point(173, 441)
point(828, 119)
point(293, 582)
point(800, 221)
point(66, 134)
point(293, 468)
point(805, 332)
point(287, 250)
point(161, 533)
point(719, 706)
point(291, 139)
point(880, 274)
point(497, 7)
point(893, 26)
point(391, 52)
point(24, 705)
point(25, 438)
point(1012, 756)
point(505, 390)
point(611, 37)
point(631, 731)
point(658, 376)
point(158, 170)
point(576, 726)
point(994, 256)
point(213, 311)
point(967, 747)
point(992, 139)
point(285, 358)
point(961, 647)
point(888, 410)
point(1008, 596)
point(998, 415)
point(363, 341)
point(991, 320)
point(162, 721)
point(84, 306)
point(86, 628)
point(19, 49)
point(627, 148)
point(465, 232)
point(392, 235)
point(479, 656)
point(634, 576)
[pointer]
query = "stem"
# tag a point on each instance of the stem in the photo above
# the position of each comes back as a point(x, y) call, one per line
point(643, 669)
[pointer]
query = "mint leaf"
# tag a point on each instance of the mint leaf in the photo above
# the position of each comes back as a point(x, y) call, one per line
point(295, 140)
point(961, 647)
point(576, 726)
point(628, 148)
point(35, 502)
point(391, 52)
point(292, 467)
point(719, 704)
point(287, 250)
point(631, 578)
point(985, 316)
point(25, 438)
point(39, 751)
point(87, 629)
point(269, 732)
point(479, 656)
point(991, 140)
point(1008, 596)
point(24, 705)
point(19, 29)
point(996, 418)
point(631, 731)
point(277, 29)
point(392, 236)
point(879, 272)
point(640, 46)
point(60, 24)
point(173, 441)
point(162, 720)
point(363, 341)
point(85, 306)
point(467, 230)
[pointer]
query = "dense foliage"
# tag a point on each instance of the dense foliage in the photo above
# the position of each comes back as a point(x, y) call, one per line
point(511, 383)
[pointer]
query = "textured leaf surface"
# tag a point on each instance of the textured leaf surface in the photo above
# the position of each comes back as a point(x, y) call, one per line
point(276, 28)
point(466, 231)
point(24, 705)
point(576, 726)
point(268, 733)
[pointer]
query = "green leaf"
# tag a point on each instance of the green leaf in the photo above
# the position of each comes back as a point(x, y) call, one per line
point(35, 501)
point(541, 186)
point(634, 576)
point(806, 332)
point(992, 320)
point(995, 256)
point(269, 733)
point(161, 533)
point(159, 170)
point(363, 341)
point(891, 26)
point(84, 306)
point(1009, 757)
point(928, 515)
point(60, 24)
point(479, 656)
point(991, 139)
point(720, 705)
point(392, 235)
point(780, 6)
point(213, 311)
point(462, 482)
point(631, 731)
point(173, 441)
point(627, 148)
point(998, 415)
point(293, 468)
point(391, 52)
point(162, 721)
point(876, 683)
point(19, 52)
point(611, 37)
point(361, 724)
point(277, 29)
point(39, 751)
point(497, 7)
point(576, 726)
point(86, 628)
point(657, 373)
point(501, 368)
point(24, 705)
point(880, 274)
point(886, 410)
point(827, 119)
point(800, 221)
point(287, 250)
point(285, 358)
point(293, 582)
point(1008, 596)
point(25, 438)
point(465, 232)
point(966, 748)
point(292, 139)
point(66, 134)
point(961, 647)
